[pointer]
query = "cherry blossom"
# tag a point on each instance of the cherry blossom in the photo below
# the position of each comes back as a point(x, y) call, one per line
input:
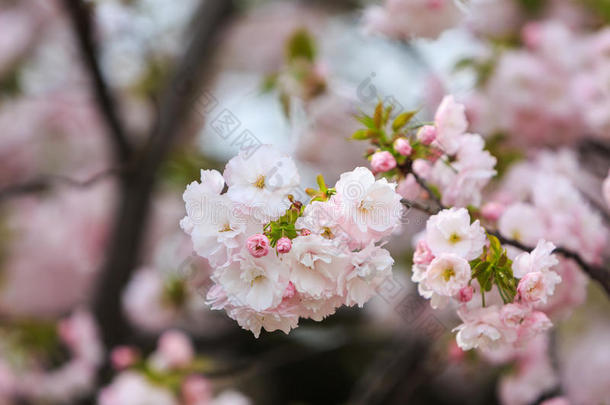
point(382, 162)
point(261, 181)
point(450, 231)
point(404, 19)
point(302, 262)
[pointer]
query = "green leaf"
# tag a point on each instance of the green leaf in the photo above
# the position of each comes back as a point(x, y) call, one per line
point(386, 114)
point(480, 269)
point(269, 82)
point(366, 121)
point(494, 244)
point(503, 260)
point(402, 120)
point(321, 182)
point(533, 7)
point(301, 45)
point(464, 63)
point(378, 116)
point(363, 134)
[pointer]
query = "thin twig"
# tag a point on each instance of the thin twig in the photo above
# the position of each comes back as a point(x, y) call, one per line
point(600, 208)
point(418, 206)
point(47, 182)
point(433, 196)
point(83, 25)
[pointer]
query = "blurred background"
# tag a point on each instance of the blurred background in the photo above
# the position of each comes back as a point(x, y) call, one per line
point(109, 108)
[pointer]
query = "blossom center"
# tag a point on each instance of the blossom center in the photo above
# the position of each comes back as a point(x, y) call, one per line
point(328, 234)
point(226, 228)
point(260, 182)
point(365, 205)
point(256, 279)
point(454, 238)
point(447, 274)
point(253, 276)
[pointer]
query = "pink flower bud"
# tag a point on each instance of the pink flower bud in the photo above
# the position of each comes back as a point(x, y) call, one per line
point(427, 134)
point(382, 162)
point(305, 232)
point(402, 146)
point(284, 245)
point(258, 245)
point(531, 34)
point(66, 332)
point(196, 390)
point(466, 293)
point(123, 357)
point(289, 291)
point(492, 211)
point(422, 255)
point(175, 349)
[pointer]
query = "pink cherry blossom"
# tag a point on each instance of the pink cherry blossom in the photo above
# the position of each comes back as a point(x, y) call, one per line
point(450, 231)
point(447, 274)
point(123, 357)
point(196, 390)
point(465, 294)
point(536, 287)
point(492, 211)
point(382, 162)
point(402, 146)
point(451, 123)
point(427, 134)
point(175, 349)
point(258, 245)
point(403, 19)
point(423, 255)
point(284, 245)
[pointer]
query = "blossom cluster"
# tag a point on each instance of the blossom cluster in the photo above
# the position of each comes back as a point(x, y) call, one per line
point(544, 207)
point(552, 89)
point(442, 153)
point(171, 375)
point(405, 19)
point(275, 259)
point(498, 298)
point(33, 368)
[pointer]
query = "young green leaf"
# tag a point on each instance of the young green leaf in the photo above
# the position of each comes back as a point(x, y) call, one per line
point(402, 120)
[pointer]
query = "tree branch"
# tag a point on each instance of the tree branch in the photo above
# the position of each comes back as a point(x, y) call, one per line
point(45, 183)
point(137, 186)
point(82, 26)
point(422, 183)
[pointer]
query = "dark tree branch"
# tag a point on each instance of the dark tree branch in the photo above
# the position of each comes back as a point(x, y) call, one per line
point(45, 183)
point(419, 206)
point(83, 25)
point(422, 183)
point(401, 362)
point(137, 186)
point(601, 209)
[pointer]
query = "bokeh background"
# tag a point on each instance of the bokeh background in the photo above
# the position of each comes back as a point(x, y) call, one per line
point(109, 108)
